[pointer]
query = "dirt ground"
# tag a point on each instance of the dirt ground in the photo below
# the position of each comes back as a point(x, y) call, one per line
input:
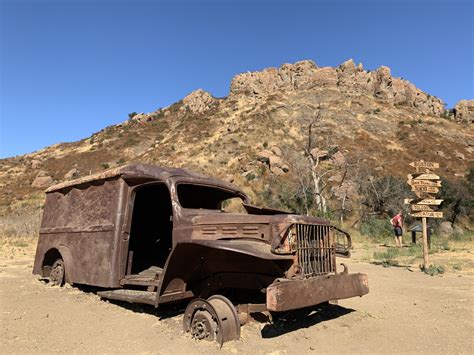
point(405, 312)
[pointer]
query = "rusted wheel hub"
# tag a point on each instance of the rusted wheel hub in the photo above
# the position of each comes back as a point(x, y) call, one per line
point(56, 277)
point(203, 326)
point(212, 319)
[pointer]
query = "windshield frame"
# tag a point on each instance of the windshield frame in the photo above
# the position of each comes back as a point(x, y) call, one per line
point(237, 194)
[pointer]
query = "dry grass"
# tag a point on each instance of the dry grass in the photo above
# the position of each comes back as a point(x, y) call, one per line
point(21, 221)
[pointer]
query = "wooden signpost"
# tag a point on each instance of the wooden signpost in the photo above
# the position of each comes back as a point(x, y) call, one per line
point(424, 185)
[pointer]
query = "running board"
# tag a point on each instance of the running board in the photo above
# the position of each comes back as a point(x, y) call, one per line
point(131, 296)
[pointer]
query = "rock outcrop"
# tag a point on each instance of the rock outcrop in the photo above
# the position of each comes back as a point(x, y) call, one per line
point(198, 101)
point(464, 111)
point(349, 78)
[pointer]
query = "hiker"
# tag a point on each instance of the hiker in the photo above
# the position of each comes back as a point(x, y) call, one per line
point(397, 223)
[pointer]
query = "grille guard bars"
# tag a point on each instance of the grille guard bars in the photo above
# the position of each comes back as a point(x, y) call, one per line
point(342, 247)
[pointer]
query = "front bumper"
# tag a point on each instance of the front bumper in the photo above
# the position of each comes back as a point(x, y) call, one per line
point(285, 295)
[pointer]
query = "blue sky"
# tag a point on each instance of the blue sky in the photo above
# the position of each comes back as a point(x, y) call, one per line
point(70, 68)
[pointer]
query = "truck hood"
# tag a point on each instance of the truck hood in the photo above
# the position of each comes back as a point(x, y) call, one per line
point(240, 218)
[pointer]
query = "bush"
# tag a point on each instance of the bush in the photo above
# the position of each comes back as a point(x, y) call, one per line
point(387, 258)
point(433, 269)
point(376, 228)
point(383, 195)
point(458, 197)
point(132, 114)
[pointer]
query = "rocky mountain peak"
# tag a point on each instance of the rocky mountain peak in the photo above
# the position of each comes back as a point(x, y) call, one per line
point(199, 101)
point(348, 78)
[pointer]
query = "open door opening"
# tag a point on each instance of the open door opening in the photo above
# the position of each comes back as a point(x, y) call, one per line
point(151, 231)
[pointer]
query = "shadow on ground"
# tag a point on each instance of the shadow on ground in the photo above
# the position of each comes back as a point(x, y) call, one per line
point(302, 318)
point(281, 323)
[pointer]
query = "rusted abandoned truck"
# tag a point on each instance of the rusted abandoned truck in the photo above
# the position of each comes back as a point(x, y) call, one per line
point(146, 234)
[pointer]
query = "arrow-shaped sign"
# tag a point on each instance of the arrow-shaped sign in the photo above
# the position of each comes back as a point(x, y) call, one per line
point(423, 176)
point(418, 208)
point(424, 164)
point(426, 201)
point(428, 189)
point(424, 183)
point(427, 214)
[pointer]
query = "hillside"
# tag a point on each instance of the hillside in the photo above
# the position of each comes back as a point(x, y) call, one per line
point(367, 119)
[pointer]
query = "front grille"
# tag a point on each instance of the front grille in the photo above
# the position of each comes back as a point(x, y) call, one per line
point(315, 248)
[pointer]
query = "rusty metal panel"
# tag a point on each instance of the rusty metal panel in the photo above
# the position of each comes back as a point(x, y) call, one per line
point(81, 208)
point(82, 223)
point(285, 295)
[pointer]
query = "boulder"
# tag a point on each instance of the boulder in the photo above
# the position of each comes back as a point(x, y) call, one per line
point(457, 231)
point(464, 111)
point(276, 150)
point(275, 161)
point(35, 164)
point(42, 181)
point(264, 156)
point(445, 229)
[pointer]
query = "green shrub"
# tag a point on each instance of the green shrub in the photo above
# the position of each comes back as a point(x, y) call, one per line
point(387, 258)
point(433, 269)
point(376, 228)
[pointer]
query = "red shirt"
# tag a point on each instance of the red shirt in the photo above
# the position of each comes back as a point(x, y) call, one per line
point(397, 220)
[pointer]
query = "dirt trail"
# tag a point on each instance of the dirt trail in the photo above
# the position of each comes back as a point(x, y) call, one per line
point(404, 312)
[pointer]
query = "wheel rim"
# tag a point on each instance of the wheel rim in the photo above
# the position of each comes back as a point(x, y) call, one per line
point(56, 277)
point(203, 326)
point(212, 319)
point(200, 319)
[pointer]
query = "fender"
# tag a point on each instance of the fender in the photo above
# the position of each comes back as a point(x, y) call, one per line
point(190, 262)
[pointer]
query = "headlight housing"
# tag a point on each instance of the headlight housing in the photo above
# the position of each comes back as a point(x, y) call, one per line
point(288, 242)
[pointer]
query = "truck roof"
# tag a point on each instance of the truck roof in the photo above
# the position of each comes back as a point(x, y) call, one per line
point(138, 170)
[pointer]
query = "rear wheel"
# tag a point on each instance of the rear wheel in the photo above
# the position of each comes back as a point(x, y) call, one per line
point(214, 319)
point(56, 277)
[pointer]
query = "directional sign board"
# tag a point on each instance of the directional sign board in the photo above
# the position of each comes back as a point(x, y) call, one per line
point(424, 164)
point(425, 201)
point(427, 214)
point(418, 208)
point(424, 183)
point(428, 189)
point(423, 177)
